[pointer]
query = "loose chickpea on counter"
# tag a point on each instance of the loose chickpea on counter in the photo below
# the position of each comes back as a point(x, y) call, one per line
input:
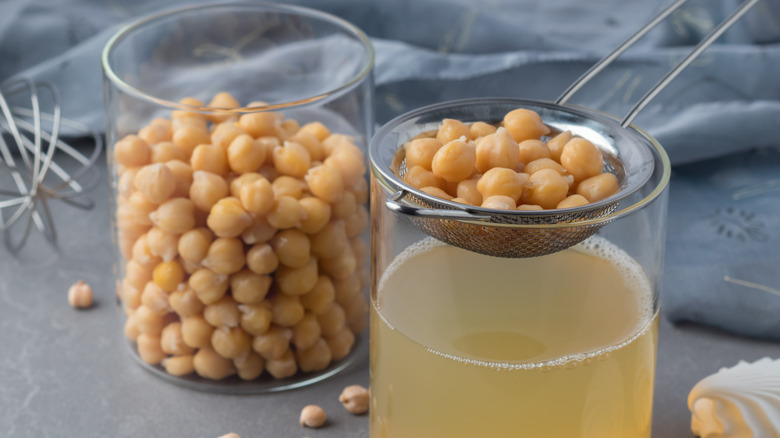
point(355, 399)
point(235, 230)
point(80, 295)
point(508, 166)
point(312, 416)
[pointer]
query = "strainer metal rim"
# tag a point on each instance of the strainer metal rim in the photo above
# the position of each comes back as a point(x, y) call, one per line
point(393, 183)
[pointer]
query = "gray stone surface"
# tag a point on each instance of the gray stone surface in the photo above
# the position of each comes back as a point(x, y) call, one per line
point(66, 373)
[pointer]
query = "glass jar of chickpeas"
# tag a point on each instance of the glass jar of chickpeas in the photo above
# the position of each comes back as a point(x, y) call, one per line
point(516, 257)
point(237, 136)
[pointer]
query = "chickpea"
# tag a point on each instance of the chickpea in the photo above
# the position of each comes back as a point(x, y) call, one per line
point(418, 178)
point(288, 186)
point(330, 241)
point(126, 183)
point(194, 245)
point(175, 216)
point(291, 159)
point(497, 150)
point(332, 320)
point(346, 289)
point(132, 151)
point(360, 189)
point(325, 182)
point(167, 151)
point(546, 188)
point(340, 266)
point(80, 295)
point(355, 399)
point(148, 320)
point(225, 133)
point(250, 366)
point(356, 315)
point(502, 181)
point(317, 129)
point(139, 208)
point(225, 256)
point(156, 133)
point(297, 281)
point(455, 161)
point(318, 213)
point(172, 342)
point(182, 173)
point(222, 313)
point(529, 207)
point(344, 207)
point(531, 150)
point(188, 137)
point(544, 163)
point(333, 141)
point(137, 275)
point(598, 187)
point(341, 343)
point(210, 365)
point(248, 287)
point(286, 212)
point(255, 318)
point(261, 123)
point(258, 232)
point(572, 201)
point(306, 332)
point(238, 183)
point(315, 358)
point(261, 259)
point(292, 248)
point(207, 189)
point(481, 129)
point(312, 416)
point(210, 158)
point(499, 202)
point(360, 248)
point(179, 365)
point(420, 152)
point(357, 223)
point(230, 342)
point(223, 101)
point(282, 367)
point(185, 302)
point(274, 344)
point(556, 144)
point(524, 124)
point(287, 310)
point(582, 159)
point(155, 298)
point(209, 286)
point(228, 218)
point(183, 114)
point(468, 191)
point(348, 159)
point(130, 296)
point(196, 331)
point(162, 244)
point(311, 143)
point(245, 154)
point(451, 130)
point(149, 348)
point(131, 328)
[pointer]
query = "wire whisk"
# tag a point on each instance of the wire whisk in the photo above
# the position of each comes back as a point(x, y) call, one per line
point(36, 165)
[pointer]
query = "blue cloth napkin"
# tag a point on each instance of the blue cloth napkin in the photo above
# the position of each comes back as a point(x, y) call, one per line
point(719, 121)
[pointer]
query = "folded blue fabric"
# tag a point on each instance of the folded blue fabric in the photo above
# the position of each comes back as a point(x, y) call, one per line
point(722, 115)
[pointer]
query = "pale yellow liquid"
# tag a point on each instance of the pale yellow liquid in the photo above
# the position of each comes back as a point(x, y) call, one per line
point(560, 346)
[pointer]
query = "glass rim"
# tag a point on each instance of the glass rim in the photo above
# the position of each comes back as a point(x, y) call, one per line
point(155, 17)
point(392, 182)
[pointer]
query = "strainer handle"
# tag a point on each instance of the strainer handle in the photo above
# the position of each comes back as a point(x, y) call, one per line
point(672, 74)
point(429, 213)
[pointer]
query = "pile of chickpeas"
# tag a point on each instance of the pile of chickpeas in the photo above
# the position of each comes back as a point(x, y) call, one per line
point(241, 242)
point(508, 167)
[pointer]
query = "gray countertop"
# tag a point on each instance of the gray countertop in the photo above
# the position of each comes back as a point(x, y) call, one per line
point(66, 372)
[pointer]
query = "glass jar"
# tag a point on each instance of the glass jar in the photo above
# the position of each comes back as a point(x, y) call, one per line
point(236, 136)
point(473, 333)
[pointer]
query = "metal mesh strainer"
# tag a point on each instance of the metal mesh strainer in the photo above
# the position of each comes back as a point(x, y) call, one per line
point(629, 154)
